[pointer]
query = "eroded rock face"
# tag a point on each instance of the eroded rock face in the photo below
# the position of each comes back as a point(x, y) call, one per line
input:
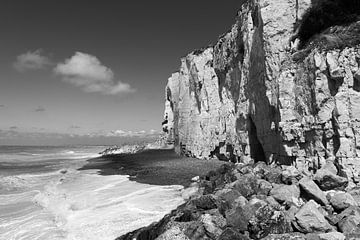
point(245, 96)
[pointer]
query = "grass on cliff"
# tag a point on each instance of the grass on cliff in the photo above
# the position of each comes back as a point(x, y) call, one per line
point(336, 37)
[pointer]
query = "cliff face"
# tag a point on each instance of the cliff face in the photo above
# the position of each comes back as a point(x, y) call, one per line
point(245, 97)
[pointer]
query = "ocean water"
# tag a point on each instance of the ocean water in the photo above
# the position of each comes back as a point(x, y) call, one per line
point(44, 196)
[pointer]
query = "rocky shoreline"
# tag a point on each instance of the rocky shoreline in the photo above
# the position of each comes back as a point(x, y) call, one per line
point(260, 201)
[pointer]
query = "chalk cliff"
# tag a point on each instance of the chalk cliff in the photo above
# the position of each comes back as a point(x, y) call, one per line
point(246, 97)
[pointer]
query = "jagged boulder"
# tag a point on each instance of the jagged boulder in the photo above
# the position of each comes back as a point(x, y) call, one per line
point(309, 219)
point(286, 236)
point(288, 194)
point(246, 185)
point(327, 180)
point(231, 234)
point(349, 221)
point(342, 200)
point(311, 191)
point(267, 220)
point(332, 236)
point(214, 223)
point(290, 175)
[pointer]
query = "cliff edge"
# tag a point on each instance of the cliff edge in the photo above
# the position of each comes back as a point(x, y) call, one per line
point(251, 96)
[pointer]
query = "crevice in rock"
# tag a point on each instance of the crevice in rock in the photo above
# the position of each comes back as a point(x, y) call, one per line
point(335, 126)
point(195, 85)
point(356, 86)
point(169, 97)
point(256, 149)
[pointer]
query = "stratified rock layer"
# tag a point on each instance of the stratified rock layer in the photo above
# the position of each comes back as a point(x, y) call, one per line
point(245, 96)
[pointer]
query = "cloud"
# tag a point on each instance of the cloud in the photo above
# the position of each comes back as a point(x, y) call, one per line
point(74, 127)
point(40, 109)
point(86, 71)
point(13, 127)
point(122, 133)
point(2, 105)
point(31, 61)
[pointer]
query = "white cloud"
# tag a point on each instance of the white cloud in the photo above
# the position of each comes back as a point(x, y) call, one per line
point(31, 61)
point(122, 133)
point(87, 72)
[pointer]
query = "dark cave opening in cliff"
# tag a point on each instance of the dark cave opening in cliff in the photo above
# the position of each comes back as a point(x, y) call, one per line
point(256, 150)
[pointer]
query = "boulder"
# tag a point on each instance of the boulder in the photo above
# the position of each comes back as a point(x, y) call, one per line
point(355, 193)
point(226, 198)
point(310, 219)
point(290, 175)
point(286, 193)
point(274, 176)
point(311, 191)
point(267, 220)
point(342, 200)
point(231, 234)
point(196, 231)
point(173, 233)
point(327, 180)
point(264, 187)
point(332, 236)
point(286, 236)
point(213, 223)
point(205, 202)
point(239, 217)
point(349, 221)
point(246, 185)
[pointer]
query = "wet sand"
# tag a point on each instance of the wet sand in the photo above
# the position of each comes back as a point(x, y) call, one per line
point(155, 167)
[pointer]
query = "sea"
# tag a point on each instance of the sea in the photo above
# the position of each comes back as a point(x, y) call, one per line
point(44, 197)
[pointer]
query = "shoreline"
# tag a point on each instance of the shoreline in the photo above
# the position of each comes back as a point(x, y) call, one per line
point(154, 167)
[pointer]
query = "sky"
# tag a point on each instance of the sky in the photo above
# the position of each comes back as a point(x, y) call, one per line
point(95, 69)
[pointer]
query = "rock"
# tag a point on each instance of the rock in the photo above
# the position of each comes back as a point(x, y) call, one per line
point(264, 187)
point(213, 224)
point(311, 191)
point(267, 220)
point(286, 193)
point(327, 180)
point(231, 234)
point(205, 202)
point(310, 219)
point(246, 185)
point(274, 176)
point(285, 236)
point(227, 199)
point(196, 231)
point(290, 175)
point(239, 217)
point(349, 221)
point(355, 193)
point(332, 236)
point(173, 233)
point(341, 201)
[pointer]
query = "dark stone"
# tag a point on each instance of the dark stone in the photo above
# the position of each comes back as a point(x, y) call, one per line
point(264, 187)
point(231, 234)
point(327, 180)
point(286, 236)
point(196, 231)
point(246, 185)
point(205, 202)
point(349, 222)
point(274, 175)
point(268, 221)
point(310, 190)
